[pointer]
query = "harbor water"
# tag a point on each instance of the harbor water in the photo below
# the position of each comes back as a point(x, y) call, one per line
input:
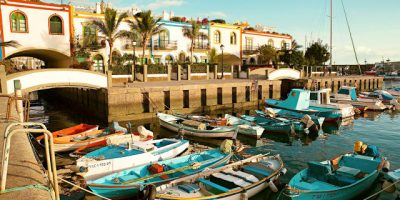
point(378, 128)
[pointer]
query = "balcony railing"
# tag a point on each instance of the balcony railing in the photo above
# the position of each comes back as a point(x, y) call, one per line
point(201, 46)
point(165, 44)
point(130, 46)
point(93, 43)
point(250, 51)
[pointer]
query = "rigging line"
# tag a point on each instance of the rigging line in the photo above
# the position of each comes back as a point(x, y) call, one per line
point(351, 37)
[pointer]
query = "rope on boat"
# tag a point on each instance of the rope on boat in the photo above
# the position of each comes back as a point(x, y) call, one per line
point(65, 181)
point(380, 191)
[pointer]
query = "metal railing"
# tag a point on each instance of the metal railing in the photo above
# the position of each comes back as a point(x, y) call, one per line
point(26, 128)
point(93, 43)
point(165, 44)
point(14, 99)
point(250, 51)
point(201, 46)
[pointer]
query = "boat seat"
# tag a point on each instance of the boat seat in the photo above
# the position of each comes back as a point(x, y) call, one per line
point(213, 185)
point(228, 181)
point(256, 171)
point(319, 171)
point(248, 177)
point(348, 171)
point(127, 177)
point(189, 188)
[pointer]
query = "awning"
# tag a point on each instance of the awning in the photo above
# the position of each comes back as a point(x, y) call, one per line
point(229, 59)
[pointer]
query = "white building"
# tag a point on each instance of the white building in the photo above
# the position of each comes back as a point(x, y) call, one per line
point(43, 31)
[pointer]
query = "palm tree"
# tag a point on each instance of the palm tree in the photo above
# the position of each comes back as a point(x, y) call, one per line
point(11, 43)
point(131, 35)
point(109, 28)
point(192, 33)
point(146, 26)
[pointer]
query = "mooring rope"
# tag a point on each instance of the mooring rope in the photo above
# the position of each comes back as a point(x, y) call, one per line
point(88, 191)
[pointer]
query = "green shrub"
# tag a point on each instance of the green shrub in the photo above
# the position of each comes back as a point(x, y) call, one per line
point(121, 69)
point(227, 68)
point(156, 69)
point(198, 68)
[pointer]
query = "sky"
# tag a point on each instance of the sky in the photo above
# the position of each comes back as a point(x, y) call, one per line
point(374, 23)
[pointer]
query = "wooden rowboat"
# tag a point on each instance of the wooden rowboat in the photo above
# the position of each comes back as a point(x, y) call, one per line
point(195, 128)
point(236, 181)
point(80, 128)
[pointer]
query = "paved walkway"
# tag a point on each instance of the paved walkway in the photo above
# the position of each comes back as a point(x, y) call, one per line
point(23, 168)
point(179, 83)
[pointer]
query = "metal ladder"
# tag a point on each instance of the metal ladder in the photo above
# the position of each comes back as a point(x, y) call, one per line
point(26, 128)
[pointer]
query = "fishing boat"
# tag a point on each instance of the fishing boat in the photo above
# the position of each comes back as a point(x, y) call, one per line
point(80, 128)
point(274, 125)
point(348, 94)
point(245, 127)
point(142, 135)
point(127, 183)
point(195, 128)
point(240, 180)
point(321, 98)
point(394, 91)
point(299, 101)
point(344, 177)
point(73, 142)
point(394, 177)
point(115, 158)
point(295, 115)
point(382, 95)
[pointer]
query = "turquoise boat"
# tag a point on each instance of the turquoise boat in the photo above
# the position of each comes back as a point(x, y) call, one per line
point(276, 125)
point(394, 177)
point(288, 114)
point(127, 183)
point(344, 177)
point(299, 101)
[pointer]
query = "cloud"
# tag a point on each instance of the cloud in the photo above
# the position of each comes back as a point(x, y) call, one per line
point(164, 3)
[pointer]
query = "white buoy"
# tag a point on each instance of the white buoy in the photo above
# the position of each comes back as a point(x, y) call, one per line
point(272, 186)
point(283, 171)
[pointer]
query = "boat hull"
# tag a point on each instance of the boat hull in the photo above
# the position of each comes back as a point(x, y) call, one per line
point(100, 168)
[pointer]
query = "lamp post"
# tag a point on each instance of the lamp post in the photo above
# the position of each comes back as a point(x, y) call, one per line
point(134, 61)
point(222, 60)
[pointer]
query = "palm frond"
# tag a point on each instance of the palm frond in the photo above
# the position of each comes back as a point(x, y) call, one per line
point(11, 43)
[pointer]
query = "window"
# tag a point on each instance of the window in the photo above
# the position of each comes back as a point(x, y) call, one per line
point(313, 96)
point(167, 100)
point(247, 93)
point(203, 97)
point(98, 63)
point(164, 39)
point(271, 42)
point(249, 44)
point(217, 37)
point(234, 95)
point(56, 25)
point(185, 98)
point(219, 96)
point(283, 44)
point(233, 38)
point(18, 22)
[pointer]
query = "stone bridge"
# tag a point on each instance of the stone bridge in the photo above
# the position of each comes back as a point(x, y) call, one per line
point(53, 78)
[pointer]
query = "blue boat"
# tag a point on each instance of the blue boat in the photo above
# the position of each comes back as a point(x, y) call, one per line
point(299, 101)
point(344, 177)
point(127, 183)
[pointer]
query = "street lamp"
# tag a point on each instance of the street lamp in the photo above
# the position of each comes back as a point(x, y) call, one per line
point(290, 57)
point(134, 61)
point(222, 60)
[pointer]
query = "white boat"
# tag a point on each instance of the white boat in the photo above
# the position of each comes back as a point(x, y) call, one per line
point(347, 94)
point(245, 127)
point(115, 158)
point(321, 98)
point(195, 128)
point(382, 95)
point(240, 180)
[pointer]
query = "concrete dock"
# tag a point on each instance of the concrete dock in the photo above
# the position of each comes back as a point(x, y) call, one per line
point(23, 169)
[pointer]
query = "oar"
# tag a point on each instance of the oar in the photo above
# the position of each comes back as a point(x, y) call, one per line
point(195, 165)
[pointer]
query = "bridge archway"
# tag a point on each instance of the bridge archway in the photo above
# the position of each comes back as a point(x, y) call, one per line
point(51, 57)
point(35, 80)
point(289, 80)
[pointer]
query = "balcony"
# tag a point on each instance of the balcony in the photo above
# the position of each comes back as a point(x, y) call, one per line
point(250, 51)
point(130, 47)
point(201, 46)
point(92, 43)
point(165, 44)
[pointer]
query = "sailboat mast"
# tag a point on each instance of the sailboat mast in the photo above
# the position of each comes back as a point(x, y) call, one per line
point(331, 40)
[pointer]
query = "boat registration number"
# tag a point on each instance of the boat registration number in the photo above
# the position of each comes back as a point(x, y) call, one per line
point(101, 164)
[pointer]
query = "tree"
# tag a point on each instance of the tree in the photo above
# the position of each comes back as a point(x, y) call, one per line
point(267, 54)
point(212, 56)
point(146, 26)
point(192, 32)
point(109, 28)
point(292, 56)
point(317, 54)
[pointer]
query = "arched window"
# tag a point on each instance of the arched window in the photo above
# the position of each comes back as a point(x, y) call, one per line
point(271, 42)
point(283, 44)
point(56, 25)
point(18, 22)
point(217, 37)
point(98, 63)
point(233, 38)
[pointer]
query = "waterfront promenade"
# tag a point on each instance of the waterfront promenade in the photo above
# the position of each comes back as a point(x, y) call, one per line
point(23, 169)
